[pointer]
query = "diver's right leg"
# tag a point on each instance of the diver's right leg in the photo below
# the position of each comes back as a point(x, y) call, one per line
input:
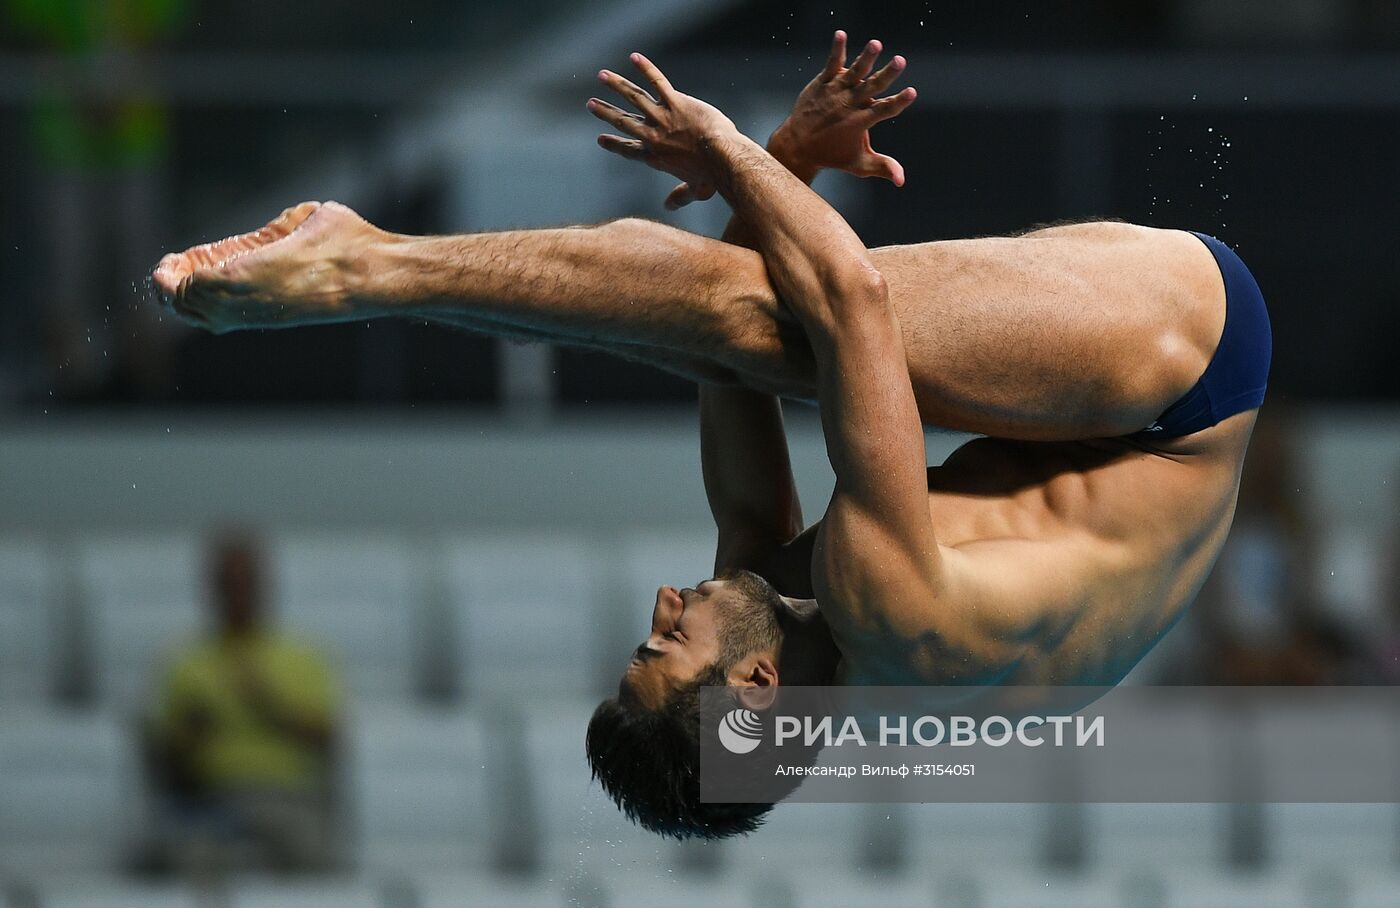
point(1039, 338)
point(644, 290)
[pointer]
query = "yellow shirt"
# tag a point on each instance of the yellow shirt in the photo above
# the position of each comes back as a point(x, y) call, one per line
point(236, 746)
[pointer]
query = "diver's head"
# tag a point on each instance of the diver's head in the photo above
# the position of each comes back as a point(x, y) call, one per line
point(727, 627)
point(644, 744)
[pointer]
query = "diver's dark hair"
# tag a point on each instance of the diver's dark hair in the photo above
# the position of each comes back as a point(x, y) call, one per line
point(648, 761)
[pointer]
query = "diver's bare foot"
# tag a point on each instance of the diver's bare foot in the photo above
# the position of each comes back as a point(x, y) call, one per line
point(298, 269)
point(177, 266)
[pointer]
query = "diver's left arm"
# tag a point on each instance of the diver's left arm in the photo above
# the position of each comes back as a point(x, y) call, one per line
point(743, 446)
point(878, 565)
point(748, 480)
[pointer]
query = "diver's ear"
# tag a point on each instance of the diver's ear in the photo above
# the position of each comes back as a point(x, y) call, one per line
point(757, 688)
point(758, 699)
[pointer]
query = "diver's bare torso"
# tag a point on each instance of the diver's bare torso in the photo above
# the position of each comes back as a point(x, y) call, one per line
point(1105, 542)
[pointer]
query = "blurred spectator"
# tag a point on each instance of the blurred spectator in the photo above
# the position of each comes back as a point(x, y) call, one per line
point(1259, 614)
point(100, 136)
point(243, 740)
point(1387, 653)
point(1321, 650)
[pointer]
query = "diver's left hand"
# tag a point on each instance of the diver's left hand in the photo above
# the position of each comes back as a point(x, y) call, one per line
point(670, 133)
point(829, 127)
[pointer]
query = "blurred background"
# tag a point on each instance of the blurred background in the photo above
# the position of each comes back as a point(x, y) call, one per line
point(318, 617)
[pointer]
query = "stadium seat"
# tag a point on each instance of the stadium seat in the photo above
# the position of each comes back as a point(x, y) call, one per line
point(1352, 838)
point(114, 893)
point(646, 887)
point(487, 889)
point(1374, 890)
point(968, 836)
point(1236, 890)
point(356, 597)
point(1052, 890)
point(142, 597)
point(306, 895)
point(28, 614)
point(526, 611)
point(1348, 837)
point(1128, 836)
point(825, 884)
point(419, 788)
point(793, 832)
point(67, 784)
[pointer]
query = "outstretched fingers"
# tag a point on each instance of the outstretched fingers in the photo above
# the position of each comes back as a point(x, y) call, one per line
point(632, 124)
point(631, 149)
point(655, 76)
point(863, 64)
point(634, 94)
point(883, 79)
point(836, 60)
point(888, 108)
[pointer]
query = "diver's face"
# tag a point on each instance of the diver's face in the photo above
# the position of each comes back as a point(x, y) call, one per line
point(684, 639)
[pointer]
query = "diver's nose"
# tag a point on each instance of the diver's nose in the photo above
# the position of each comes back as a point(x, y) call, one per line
point(668, 603)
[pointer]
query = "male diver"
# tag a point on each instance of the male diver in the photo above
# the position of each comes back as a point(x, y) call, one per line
point(1117, 368)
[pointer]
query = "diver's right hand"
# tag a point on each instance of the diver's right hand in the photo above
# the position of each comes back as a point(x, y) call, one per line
point(305, 267)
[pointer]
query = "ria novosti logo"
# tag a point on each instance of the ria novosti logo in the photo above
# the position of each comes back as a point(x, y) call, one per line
point(740, 731)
